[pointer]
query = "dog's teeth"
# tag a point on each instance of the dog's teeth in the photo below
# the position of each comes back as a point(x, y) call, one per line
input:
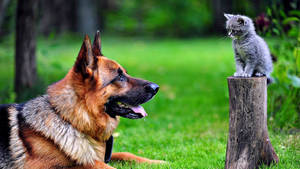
point(123, 105)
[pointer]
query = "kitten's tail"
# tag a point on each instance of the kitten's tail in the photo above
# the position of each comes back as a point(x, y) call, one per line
point(270, 80)
point(274, 58)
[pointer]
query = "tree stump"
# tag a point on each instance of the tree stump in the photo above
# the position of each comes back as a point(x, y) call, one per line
point(248, 143)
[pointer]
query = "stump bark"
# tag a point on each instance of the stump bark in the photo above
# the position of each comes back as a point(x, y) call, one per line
point(248, 143)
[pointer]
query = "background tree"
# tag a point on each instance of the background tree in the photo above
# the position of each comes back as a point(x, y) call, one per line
point(87, 16)
point(56, 16)
point(3, 6)
point(219, 8)
point(25, 57)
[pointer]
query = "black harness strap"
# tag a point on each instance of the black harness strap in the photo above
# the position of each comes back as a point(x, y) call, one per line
point(108, 149)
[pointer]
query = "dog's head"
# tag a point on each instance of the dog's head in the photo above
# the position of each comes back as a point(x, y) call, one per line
point(104, 83)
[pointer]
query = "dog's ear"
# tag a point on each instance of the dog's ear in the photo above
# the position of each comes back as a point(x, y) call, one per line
point(97, 45)
point(85, 60)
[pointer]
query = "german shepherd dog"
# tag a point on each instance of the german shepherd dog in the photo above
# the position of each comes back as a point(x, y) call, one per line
point(71, 126)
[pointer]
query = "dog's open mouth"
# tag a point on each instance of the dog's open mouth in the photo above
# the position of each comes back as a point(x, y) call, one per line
point(128, 105)
point(118, 108)
point(136, 110)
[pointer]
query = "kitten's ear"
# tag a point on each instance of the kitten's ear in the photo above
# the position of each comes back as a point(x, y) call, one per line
point(228, 16)
point(241, 21)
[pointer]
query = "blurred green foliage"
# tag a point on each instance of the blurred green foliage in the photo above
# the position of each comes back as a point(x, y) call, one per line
point(284, 102)
point(156, 17)
point(176, 18)
point(8, 24)
point(171, 18)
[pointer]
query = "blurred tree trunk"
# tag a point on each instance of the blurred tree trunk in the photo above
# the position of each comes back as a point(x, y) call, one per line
point(87, 17)
point(219, 8)
point(25, 58)
point(57, 16)
point(3, 5)
point(257, 6)
point(103, 7)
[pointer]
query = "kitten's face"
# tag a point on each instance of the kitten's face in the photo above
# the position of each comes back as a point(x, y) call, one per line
point(238, 25)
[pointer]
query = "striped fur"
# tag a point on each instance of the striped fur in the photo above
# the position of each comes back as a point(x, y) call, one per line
point(16, 147)
point(49, 123)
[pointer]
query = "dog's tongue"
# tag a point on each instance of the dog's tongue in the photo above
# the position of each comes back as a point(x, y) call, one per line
point(140, 110)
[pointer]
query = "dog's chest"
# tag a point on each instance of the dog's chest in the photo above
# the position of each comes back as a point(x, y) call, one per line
point(111, 126)
point(100, 144)
point(106, 128)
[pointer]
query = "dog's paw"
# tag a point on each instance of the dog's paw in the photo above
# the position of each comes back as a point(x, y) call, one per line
point(236, 74)
point(158, 162)
point(102, 165)
point(258, 74)
point(108, 167)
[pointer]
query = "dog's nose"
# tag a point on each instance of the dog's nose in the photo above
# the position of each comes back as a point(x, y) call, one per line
point(151, 88)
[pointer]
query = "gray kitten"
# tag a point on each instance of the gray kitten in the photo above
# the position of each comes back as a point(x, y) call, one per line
point(252, 55)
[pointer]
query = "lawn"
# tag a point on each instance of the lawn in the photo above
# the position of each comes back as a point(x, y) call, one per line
point(188, 119)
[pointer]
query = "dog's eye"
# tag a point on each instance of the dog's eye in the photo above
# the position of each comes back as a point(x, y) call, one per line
point(120, 71)
point(121, 77)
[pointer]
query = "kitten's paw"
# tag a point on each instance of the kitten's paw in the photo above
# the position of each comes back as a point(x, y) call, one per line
point(246, 75)
point(259, 74)
point(236, 74)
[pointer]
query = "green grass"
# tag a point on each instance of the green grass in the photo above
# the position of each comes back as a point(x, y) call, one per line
point(188, 119)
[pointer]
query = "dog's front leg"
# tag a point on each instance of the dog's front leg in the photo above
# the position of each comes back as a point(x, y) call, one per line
point(102, 165)
point(97, 165)
point(125, 156)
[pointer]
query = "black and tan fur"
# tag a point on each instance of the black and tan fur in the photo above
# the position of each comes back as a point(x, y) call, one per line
point(71, 126)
